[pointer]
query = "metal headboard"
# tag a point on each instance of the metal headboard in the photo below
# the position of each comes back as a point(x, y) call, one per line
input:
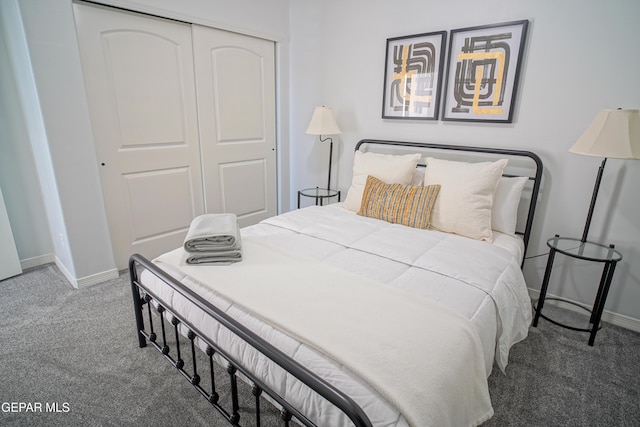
point(536, 177)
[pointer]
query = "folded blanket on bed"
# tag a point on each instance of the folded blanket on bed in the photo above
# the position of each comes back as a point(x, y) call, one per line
point(213, 238)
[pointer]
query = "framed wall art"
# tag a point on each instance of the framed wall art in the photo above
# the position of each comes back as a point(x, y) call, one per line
point(413, 76)
point(483, 70)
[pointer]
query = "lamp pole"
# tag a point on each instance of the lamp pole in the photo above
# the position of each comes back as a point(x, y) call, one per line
point(593, 200)
point(330, 159)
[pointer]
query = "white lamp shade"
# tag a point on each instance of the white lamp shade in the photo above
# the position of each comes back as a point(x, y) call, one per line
point(323, 123)
point(613, 133)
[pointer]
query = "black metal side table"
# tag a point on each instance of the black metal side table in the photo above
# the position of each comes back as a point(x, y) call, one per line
point(589, 251)
point(320, 194)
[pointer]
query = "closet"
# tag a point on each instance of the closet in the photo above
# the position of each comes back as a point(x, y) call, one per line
point(9, 261)
point(183, 118)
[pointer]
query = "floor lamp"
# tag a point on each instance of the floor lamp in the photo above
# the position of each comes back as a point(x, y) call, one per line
point(323, 123)
point(614, 134)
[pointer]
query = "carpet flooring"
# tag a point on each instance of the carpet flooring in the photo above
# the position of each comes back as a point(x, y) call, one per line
point(75, 353)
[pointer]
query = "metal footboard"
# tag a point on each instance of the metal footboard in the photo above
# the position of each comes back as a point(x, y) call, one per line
point(146, 302)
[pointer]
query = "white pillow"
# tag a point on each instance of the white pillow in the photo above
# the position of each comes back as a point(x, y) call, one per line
point(466, 196)
point(389, 168)
point(504, 214)
point(418, 176)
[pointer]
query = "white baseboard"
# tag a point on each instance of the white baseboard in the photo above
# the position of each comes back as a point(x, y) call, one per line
point(76, 283)
point(607, 316)
point(37, 261)
point(88, 280)
point(98, 278)
point(66, 273)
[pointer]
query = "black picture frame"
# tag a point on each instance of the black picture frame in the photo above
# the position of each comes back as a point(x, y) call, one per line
point(483, 72)
point(414, 66)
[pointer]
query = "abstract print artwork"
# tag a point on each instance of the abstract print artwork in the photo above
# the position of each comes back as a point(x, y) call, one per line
point(483, 71)
point(412, 76)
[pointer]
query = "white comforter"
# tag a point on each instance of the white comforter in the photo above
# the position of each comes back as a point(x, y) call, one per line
point(481, 281)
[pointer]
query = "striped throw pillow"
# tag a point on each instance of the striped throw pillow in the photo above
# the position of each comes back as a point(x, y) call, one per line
point(408, 205)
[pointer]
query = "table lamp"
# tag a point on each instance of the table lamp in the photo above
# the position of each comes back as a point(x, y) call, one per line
point(612, 134)
point(323, 123)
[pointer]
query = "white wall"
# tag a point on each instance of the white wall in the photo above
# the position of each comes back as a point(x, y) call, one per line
point(65, 160)
point(34, 135)
point(17, 165)
point(581, 56)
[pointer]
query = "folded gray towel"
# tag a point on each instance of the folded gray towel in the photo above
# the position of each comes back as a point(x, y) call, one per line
point(219, 257)
point(213, 233)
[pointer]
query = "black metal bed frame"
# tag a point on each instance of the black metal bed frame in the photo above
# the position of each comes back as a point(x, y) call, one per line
point(145, 300)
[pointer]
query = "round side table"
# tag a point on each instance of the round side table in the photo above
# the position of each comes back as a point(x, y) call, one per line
point(588, 251)
point(320, 194)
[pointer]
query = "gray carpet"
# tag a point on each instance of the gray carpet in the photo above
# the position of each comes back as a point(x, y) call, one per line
point(77, 349)
point(555, 379)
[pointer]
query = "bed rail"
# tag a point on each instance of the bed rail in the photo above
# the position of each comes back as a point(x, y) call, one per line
point(536, 177)
point(143, 296)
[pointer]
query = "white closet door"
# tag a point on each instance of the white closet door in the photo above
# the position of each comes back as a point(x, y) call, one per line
point(140, 83)
point(9, 261)
point(235, 78)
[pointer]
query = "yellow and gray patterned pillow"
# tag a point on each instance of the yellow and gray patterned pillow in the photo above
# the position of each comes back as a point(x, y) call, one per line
point(408, 205)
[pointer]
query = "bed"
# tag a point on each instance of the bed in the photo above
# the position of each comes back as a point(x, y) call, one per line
point(362, 312)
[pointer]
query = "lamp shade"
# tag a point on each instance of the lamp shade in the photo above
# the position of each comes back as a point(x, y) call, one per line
point(323, 123)
point(613, 133)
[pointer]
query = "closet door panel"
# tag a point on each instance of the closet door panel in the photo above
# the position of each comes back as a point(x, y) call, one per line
point(243, 175)
point(153, 80)
point(140, 84)
point(238, 99)
point(235, 78)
